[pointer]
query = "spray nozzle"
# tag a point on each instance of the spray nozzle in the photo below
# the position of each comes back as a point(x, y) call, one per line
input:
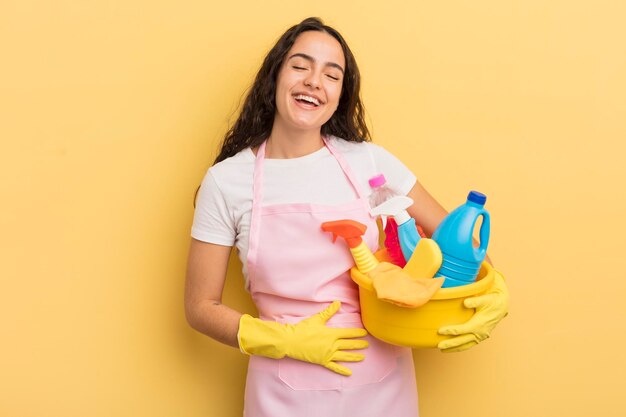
point(395, 207)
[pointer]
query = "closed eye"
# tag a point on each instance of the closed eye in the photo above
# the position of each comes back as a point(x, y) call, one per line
point(332, 77)
point(298, 68)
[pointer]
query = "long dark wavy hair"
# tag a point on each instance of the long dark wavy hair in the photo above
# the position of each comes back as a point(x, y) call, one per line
point(255, 121)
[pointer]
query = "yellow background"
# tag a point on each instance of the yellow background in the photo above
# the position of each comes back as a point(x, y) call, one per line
point(111, 112)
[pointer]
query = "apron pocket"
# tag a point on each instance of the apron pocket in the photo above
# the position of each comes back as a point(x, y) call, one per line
point(380, 360)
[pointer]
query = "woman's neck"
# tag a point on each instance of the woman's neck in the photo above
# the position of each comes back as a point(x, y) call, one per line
point(292, 143)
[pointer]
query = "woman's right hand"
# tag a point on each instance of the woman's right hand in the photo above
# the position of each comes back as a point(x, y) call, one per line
point(310, 340)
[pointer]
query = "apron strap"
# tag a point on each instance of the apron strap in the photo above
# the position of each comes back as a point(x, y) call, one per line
point(255, 215)
point(345, 168)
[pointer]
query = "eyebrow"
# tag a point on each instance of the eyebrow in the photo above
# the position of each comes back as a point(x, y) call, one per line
point(310, 58)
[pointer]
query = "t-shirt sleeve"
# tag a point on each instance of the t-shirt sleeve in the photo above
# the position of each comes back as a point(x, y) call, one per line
point(213, 222)
point(398, 176)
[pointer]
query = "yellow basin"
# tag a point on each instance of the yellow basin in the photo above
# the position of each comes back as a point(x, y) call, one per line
point(417, 327)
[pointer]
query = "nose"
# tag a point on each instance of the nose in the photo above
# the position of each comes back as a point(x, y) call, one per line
point(312, 80)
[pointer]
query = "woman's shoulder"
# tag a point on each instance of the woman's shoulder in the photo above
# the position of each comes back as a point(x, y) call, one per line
point(357, 148)
point(238, 163)
point(232, 178)
point(348, 145)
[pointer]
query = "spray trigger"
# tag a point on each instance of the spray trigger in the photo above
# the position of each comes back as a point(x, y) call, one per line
point(395, 207)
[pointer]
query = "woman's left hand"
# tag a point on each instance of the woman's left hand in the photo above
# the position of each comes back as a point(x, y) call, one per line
point(490, 309)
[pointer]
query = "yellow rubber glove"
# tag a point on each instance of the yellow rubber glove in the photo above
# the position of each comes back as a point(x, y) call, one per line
point(490, 309)
point(309, 340)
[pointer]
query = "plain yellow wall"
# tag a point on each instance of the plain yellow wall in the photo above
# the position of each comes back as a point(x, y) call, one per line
point(111, 113)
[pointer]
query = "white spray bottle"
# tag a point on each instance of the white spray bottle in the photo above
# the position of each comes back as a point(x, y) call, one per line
point(407, 232)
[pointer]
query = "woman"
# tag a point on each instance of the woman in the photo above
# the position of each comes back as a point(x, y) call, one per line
point(298, 156)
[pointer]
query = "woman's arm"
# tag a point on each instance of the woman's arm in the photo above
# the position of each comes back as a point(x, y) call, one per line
point(206, 273)
point(426, 211)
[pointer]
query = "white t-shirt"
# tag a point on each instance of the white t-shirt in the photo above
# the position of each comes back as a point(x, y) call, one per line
point(224, 202)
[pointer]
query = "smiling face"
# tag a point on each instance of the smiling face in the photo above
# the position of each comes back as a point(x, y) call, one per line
point(308, 86)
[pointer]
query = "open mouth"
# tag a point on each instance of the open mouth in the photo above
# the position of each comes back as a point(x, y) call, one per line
point(308, 100)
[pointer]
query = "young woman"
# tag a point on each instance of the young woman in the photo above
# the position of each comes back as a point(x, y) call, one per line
point(299, 155)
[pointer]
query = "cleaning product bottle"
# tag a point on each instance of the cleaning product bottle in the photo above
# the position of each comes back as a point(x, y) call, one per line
point(461, 260)
point(407, 231)
point(381, 192)
point(352, 231)
point(392, 243)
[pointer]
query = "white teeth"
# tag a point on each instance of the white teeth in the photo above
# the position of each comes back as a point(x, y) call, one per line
point(307, 98)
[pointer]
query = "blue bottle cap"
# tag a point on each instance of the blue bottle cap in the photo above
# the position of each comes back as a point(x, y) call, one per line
point(476, 197)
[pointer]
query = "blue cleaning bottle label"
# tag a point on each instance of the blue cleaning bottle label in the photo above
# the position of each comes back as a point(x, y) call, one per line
point(461, 260)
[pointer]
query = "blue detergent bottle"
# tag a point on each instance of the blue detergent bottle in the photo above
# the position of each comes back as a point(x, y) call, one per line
point(461, 260)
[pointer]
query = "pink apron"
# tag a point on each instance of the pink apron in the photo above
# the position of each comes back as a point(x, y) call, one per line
point(296, 271)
